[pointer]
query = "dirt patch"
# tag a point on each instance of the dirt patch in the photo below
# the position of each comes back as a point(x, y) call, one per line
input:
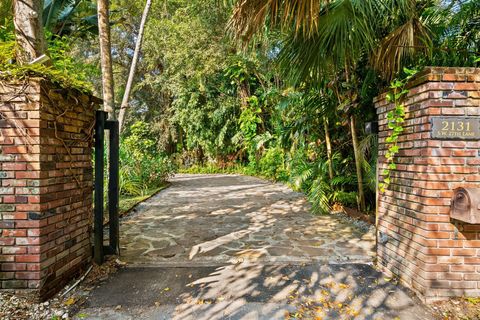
point(356, 215)
point(458, 309)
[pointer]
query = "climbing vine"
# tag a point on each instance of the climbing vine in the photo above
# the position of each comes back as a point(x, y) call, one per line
point(396, 120)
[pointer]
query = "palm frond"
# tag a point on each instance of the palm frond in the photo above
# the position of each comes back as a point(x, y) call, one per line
point(346, 31)
point(303, 176)
point(340, 181)
point(370, 174)
point(319, 196)
point(368, 145)
point(400, 45)
point(262, 139)
point(249, 16)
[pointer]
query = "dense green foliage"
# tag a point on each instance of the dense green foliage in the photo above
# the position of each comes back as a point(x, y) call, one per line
point(67, 23)
point(64, 71)
point(64, 23)
point(290, 105)
point(142, 167)
point(267, 110)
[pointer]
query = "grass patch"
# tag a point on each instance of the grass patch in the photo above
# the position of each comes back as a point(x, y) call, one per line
point(213, 169)
point(230, 169)
point(127, 203)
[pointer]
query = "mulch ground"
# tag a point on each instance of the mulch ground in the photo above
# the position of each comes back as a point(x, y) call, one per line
point(61, 306)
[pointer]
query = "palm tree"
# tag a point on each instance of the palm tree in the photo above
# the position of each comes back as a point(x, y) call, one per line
point(333, 36)
point(394, 28)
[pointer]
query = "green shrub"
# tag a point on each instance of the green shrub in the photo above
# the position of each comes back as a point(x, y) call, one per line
point(348, 199)
point(142, 167)
point(271, 164)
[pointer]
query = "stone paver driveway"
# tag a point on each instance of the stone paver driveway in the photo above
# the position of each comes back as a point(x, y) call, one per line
point(218, 219)
point(218, 247)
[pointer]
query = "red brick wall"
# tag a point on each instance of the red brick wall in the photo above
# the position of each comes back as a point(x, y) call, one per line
point(435, 256)
point(46, 185)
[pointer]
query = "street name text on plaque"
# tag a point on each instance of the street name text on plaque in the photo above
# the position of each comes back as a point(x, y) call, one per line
point(462, 128)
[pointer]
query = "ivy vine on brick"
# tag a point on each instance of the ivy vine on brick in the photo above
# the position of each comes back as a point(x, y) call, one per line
point(395, 122)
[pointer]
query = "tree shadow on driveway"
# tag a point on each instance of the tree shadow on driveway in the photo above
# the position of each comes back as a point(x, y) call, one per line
point(253, 291)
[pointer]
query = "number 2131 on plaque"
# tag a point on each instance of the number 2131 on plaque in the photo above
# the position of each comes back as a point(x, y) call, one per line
point(456, 128)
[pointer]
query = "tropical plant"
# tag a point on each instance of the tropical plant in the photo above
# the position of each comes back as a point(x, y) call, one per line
point(250, 16)
point(313, 178)
point(329, 40)
point(288, 105)
point(142, 166)
point(69, 17)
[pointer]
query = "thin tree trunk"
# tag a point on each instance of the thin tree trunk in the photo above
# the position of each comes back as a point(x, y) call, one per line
point(106, 56)
point(329, 147)
point(27, 19)
point(133, 67)
point(180, 139)
point(356, 148)
point(358, 164)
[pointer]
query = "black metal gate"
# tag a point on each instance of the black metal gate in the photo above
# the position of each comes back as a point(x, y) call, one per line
point(99, 249)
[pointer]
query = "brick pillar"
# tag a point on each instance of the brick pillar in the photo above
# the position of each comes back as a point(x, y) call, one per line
point(436, 256)
point(46, 185)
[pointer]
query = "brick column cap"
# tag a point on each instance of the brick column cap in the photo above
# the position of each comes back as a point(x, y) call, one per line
point(438, 74)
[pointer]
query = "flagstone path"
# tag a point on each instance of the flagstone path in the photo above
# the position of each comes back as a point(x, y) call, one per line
point(218, 219)
point(214, 247)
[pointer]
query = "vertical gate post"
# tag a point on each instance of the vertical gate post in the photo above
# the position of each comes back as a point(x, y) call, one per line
point(99, 164)
point(113, 180)
point(46, 201)
point(420, 238)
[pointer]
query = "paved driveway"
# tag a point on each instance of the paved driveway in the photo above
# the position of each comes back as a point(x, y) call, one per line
point(233, 247)
point(218, 219)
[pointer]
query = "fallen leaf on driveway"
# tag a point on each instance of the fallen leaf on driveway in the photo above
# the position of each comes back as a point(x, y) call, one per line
point(69, 302)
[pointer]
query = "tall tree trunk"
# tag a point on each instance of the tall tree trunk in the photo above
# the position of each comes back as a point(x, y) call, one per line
point(106, 56)
point(106, 63)
point(356, 148)
point(329, 147)
point(133, 67)
point(358, 164)
point(27, 19)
